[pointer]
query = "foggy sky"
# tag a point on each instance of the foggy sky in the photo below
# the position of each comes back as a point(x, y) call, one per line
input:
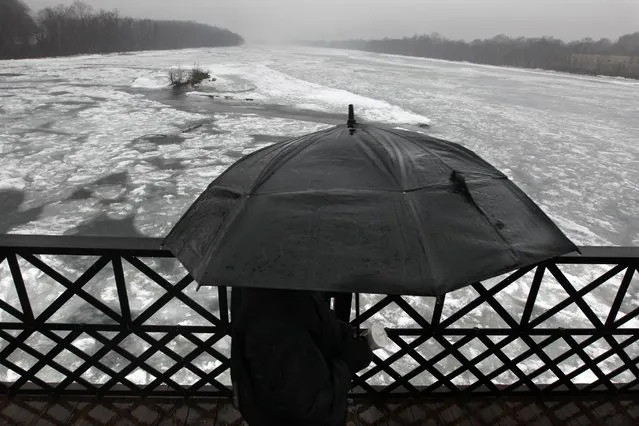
point(285, 20)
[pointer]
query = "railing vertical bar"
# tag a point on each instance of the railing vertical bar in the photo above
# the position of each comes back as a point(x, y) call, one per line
point(18, 281)
point(120, 284)
point(532, 296)
point(621, 293)
point(358, 325)
point(223, 302)
point(438, 310)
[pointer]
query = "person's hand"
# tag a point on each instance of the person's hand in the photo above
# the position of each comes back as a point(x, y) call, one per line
point(357, 354)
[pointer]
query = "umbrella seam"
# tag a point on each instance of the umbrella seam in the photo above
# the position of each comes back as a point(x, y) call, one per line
point(422, 148)
point(221, 234)
point(492, 226)
point(425, 263)
point(377, 158)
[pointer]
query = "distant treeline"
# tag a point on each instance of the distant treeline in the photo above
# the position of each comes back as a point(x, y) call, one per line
point(620, 57)
point(78, 29)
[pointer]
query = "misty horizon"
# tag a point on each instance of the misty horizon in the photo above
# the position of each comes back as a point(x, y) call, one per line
point(282, 21)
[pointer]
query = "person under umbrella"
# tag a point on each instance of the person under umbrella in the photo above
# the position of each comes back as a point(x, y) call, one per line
point(292, 360)
point(356, 208)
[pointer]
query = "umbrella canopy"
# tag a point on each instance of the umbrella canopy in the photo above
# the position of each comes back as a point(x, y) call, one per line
point(362, 208)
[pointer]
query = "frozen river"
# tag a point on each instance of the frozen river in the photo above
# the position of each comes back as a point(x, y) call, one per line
point(99, 145)
point(78, 153)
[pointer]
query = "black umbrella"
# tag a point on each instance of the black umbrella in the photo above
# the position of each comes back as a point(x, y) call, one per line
point(362, 208)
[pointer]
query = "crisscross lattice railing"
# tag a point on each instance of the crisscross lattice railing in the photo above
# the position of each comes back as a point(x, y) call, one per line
point(117, 316)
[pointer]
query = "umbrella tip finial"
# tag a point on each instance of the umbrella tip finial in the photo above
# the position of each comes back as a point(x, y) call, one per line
point(351, 116)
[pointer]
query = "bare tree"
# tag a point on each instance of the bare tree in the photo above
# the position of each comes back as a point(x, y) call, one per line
point(16, 27)
point(78, 28)
point(542, 52)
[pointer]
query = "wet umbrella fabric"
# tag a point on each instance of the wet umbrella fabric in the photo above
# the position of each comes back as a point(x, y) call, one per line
point(362, 208)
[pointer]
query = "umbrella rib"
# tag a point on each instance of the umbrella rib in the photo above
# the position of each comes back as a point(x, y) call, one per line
point(377, 160)
point(422, 147)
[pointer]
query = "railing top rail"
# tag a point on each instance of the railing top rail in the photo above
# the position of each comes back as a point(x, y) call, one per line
point(145, 246)
point(83, 245)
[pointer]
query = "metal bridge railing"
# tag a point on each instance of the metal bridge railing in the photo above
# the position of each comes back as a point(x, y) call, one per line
point(121, 317)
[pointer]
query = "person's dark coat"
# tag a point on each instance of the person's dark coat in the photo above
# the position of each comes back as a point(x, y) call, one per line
point(292, 360)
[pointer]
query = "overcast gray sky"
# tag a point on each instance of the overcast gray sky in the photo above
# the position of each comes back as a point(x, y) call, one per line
point(281, 20)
